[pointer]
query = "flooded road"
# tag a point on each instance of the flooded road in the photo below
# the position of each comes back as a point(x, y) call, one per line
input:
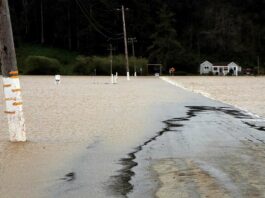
point(211, 152)
point(139, 138)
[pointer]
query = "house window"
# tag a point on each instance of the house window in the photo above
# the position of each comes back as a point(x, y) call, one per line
point(215, 68)
point(225, 68)
point(206, 67)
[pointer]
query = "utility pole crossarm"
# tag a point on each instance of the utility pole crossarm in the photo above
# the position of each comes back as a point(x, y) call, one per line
point(12, 90)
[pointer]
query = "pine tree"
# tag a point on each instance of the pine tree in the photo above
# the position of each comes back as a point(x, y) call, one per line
point(165, 48)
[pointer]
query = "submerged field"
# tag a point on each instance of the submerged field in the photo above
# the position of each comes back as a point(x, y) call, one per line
point(245, 92)
point(138, 138)
point(65, 122)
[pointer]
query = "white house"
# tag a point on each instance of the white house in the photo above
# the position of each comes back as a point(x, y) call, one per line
point(221, 69)
point(206, 67)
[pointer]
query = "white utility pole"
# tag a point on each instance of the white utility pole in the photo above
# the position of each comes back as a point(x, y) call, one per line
point(132, 41)
point(12, 90)
point(111, 63)
point(125, 43)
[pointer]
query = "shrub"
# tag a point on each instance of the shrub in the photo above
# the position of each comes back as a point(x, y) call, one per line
point(41, 65)
point(87, 65)
point(82, 66)
point(101, 64)
point(210, 73)
point(140, 63)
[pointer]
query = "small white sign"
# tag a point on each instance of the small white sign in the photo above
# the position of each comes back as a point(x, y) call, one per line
point(57, 79)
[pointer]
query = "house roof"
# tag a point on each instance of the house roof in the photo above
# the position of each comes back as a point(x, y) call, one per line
point(221, 63)
point(224, 63)
point(206, 62)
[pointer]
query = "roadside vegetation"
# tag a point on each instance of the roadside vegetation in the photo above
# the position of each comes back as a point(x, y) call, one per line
point(38, 60)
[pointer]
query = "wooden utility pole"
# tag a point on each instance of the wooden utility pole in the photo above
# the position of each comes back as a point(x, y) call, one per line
point(111, 57)
point(111, 63)
point(258, 64)
point(125, 43)
point(12, 90)
point(69, 25)
point(132, 41)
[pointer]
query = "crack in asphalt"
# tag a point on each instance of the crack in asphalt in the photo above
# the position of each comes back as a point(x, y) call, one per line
point(120, 184)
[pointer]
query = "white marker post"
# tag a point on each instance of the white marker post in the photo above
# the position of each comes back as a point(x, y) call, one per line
point(12, 90)
point(112, 79)
point(57, 79)
point(116, 78)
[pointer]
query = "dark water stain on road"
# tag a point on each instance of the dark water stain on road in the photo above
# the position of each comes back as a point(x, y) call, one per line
point(120, 184)
point(254, 126)
point(69, 177)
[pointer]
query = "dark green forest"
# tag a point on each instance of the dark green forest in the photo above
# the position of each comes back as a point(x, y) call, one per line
point(179, 33)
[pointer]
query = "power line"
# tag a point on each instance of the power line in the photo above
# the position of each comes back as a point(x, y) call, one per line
point(93, 25)
point(87, 17)
point(86, 14)
point(101, 26)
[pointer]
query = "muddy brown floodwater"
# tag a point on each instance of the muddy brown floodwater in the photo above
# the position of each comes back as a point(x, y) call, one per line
point(138, 138)
point(246, 92)
point(67, 123)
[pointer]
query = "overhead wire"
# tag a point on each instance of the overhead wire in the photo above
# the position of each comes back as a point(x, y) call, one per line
point(90, 20)
point(89, 13)
point(96, 22)
point(93, 25)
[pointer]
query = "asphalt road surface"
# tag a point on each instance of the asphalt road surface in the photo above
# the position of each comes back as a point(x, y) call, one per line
point(190, 146)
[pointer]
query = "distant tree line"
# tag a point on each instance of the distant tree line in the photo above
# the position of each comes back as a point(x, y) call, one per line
point(179, 33)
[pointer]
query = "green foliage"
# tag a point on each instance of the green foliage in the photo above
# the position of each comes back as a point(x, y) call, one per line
point(88, 65)
point(82, 66)
point(42, 65)
point(140, 65)
point(34, 59)
point(165, 48)
point(216, 30)
point(65, 57)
